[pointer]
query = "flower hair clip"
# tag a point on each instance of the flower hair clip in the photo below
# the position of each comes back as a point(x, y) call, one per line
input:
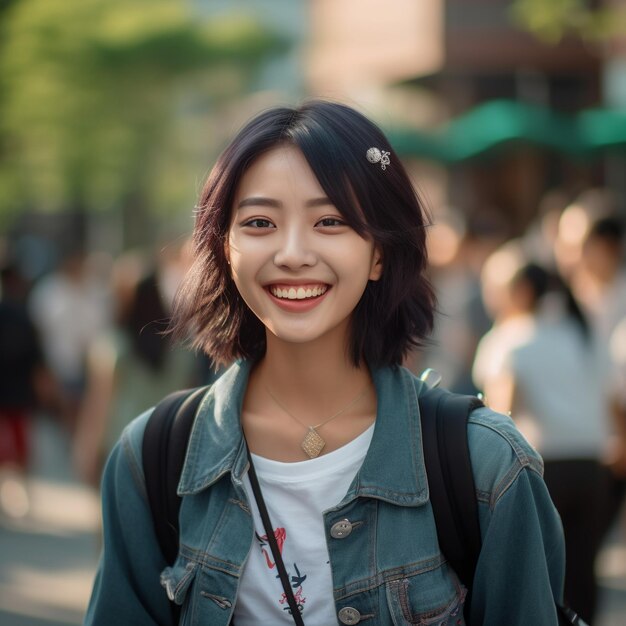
point(374, 155)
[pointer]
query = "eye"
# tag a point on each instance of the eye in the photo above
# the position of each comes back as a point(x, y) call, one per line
point(330, 222)
point(258, 222)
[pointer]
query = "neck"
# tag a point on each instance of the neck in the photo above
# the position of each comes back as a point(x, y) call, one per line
point(316, 377)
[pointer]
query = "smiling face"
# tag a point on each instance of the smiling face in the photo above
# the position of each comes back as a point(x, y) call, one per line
point(295, 261)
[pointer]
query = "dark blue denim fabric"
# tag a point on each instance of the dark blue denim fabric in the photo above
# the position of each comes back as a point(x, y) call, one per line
point(388, 570)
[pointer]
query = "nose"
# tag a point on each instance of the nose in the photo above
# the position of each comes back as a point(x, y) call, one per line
point(294, 250)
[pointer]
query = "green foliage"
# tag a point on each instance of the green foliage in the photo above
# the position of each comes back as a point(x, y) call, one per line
point(551, 20)
point(93, 95)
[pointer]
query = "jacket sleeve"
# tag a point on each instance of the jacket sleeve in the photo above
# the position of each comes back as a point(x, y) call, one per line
point(520, 572)
point(127, 586)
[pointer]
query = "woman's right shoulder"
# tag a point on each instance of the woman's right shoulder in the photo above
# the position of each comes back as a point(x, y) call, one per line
point(499, 453)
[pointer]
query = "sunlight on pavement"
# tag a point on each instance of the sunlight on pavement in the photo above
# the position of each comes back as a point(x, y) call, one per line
point(58, 509)
point(14, 499)
point(47, 594)
point(49, 554)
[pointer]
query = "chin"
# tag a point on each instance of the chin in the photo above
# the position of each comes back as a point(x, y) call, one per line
point(294, 337)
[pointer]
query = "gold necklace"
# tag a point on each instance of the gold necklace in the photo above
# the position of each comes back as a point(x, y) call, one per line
point(313, 443)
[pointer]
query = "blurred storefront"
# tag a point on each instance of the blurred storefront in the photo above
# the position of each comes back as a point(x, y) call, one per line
point(488, 115)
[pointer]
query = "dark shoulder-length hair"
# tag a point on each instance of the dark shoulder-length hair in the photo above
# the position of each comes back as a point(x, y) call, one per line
point(395, 313)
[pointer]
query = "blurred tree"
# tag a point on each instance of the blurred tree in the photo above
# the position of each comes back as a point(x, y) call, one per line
point(551, 20)
point(93, 96)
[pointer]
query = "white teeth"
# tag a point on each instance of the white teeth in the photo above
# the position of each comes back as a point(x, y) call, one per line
point(298, 294)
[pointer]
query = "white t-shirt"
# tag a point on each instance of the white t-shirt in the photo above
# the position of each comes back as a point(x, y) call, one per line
point(68, 315)
point(560, 398)
point(296, 495)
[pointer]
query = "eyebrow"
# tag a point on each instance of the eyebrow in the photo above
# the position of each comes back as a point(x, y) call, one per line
point(277, 204)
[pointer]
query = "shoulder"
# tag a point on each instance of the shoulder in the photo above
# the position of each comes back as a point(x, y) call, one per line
point(498, 451)
point(132, 436)
point(125, 460)
point(131, 442)
point(509, 334)
point(499, 454)
point(492, 352)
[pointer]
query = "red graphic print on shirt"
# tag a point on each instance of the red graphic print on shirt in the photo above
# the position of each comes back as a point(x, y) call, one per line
point(296, 581)
point(280, 535)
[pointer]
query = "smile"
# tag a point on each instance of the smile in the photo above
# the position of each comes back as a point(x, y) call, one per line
point(293, 292)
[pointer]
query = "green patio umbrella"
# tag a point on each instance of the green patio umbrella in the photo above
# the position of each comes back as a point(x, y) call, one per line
point(499, 122)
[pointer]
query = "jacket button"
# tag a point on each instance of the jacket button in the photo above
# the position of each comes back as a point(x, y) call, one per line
point(349, 615)
point(341, 529)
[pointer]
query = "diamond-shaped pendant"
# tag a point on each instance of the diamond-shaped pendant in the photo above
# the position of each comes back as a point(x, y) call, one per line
point(312, 444)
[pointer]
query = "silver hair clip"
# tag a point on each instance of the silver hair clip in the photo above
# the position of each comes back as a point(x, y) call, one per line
point(374, 155)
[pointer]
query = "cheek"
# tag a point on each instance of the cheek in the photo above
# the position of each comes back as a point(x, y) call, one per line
point(243, 283)
point(356, 276)
point(241, 277)
point(244, 269)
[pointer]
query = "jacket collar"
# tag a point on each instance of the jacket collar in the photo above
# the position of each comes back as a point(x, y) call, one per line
point(216, 444)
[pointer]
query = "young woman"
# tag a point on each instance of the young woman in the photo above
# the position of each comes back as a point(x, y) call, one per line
point(309, 273)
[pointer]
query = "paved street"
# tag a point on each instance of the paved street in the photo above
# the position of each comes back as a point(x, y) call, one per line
point(48, 558)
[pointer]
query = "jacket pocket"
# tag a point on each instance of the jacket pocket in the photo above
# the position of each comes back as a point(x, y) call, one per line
point(411, 601)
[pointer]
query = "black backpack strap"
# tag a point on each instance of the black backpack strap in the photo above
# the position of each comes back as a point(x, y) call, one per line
point(164, 447)
point(450, 477)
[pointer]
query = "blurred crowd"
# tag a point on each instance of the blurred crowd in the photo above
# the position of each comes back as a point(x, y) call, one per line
point(536, 323)
point(86, 345)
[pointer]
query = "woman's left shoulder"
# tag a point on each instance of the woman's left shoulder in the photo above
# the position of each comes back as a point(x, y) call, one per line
point(499, 453)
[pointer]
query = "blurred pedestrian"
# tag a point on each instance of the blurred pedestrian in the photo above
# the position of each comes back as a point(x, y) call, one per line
point(131, 366)
point(68, 308)
point(617, 458)
point(457, 249)
point(599, 283)
point(540, 239)
point(574, 225)
point(540, 362)
point(599, 280)
point(25, 384)
point(617, 348)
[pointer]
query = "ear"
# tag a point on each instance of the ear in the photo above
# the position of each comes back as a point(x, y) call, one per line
point(227, 250)
point(376, 269)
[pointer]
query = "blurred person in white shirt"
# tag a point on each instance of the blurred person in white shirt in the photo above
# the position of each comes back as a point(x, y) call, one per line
point(541, 363)
point(69, 306)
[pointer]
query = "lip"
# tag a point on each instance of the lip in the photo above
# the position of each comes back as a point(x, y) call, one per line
point(296, 306)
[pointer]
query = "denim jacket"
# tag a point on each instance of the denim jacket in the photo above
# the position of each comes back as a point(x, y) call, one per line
point(387, 570)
